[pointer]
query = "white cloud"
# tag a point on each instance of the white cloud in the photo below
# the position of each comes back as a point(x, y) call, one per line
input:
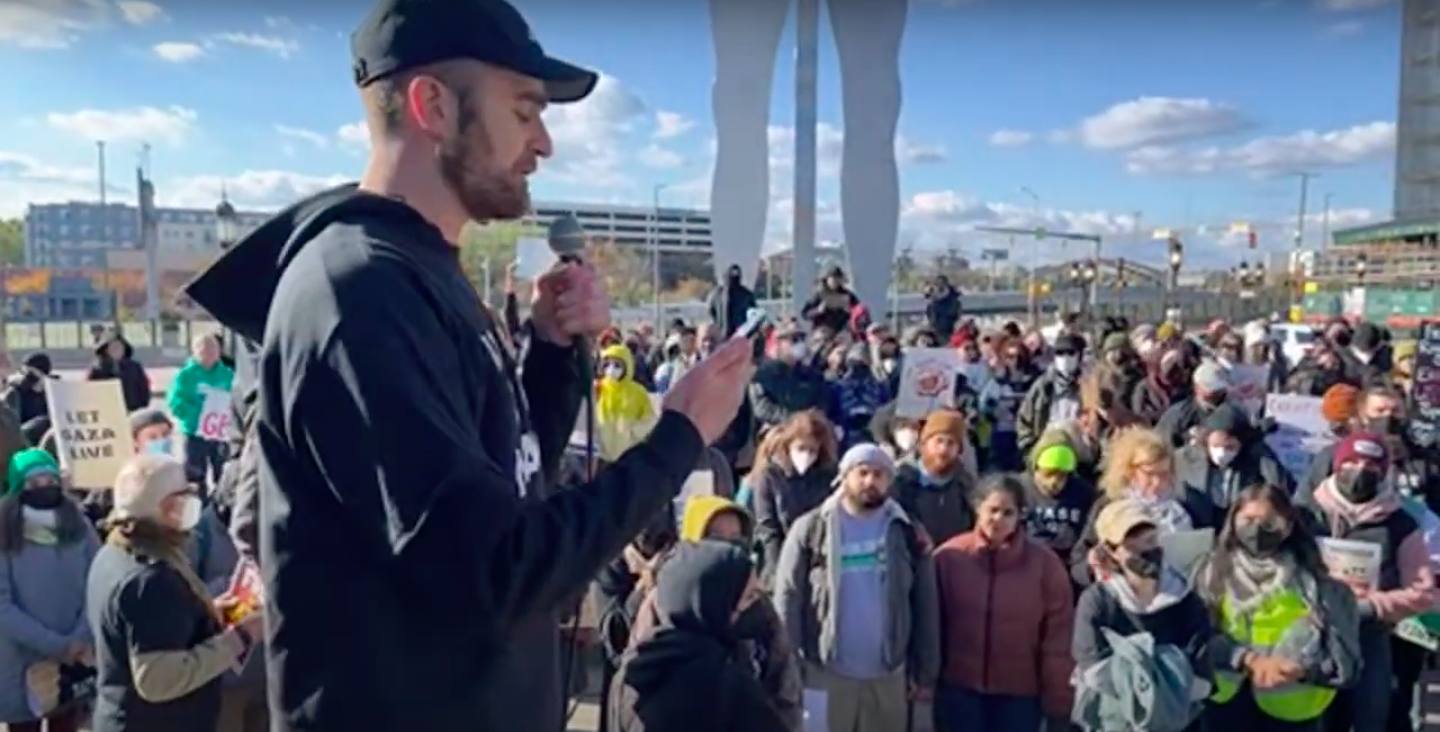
point(299, 133)
point(1268, 156)
point(252, 189)
point(1011, 138)
point(654, 156)
point(176, 52)
point(171, 125)
point(670, 125)
point(136, 12)
point(355, 134)
point(50, 24)
point(1158, 120)
point(25, 179)
point(282, 47)
point(910, 152)
point(589, 136)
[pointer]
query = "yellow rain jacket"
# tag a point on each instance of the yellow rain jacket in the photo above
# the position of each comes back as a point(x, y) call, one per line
point(624, 414)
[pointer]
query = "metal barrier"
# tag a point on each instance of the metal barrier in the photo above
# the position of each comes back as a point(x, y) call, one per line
point(52, 336)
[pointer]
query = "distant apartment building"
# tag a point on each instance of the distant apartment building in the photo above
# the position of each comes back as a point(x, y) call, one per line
point(680, 236)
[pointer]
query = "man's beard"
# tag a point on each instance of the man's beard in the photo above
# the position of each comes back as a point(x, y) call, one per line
point(484, 197)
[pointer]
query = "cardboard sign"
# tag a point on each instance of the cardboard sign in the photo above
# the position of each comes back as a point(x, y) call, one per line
point(927, 381)
point(215, 416)
point(92, 430)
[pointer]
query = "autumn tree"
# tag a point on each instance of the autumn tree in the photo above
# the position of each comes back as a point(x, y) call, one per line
point(627, 274)
point(12, 243)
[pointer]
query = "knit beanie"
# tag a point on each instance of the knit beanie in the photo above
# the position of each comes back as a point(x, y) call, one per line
point(27, 463)
point(1363, 447)
point(148, 417)
point(1339, 403)
point(944, 422)
point(1056, 458)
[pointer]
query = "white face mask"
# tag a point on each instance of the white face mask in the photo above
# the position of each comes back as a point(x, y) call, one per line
point(799, 350)
point(802, 460)
point(888, 365)
point(905, 439)
point(1222, 456)
point(190, 513)
point(614, 372)
point(1067, 365)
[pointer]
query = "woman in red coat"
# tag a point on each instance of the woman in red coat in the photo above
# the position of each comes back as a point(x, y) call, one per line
point(1006, 619)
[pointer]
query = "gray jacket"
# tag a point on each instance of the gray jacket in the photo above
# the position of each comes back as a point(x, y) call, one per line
point(42, 611)
point(808, 571)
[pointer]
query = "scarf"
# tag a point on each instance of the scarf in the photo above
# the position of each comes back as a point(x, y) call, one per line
point(139, 537)
point(40, 527)
point(1169, 513)
point(1254, 579)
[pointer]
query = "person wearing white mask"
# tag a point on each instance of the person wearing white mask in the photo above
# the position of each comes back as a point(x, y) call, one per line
point(1055, 396)
point(48, 546)
point(162, 641)
point(1228, 458)
point(793, 472)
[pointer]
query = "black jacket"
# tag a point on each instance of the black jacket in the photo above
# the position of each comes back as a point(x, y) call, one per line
point(134, 382)
point(729, 304)
point(405, 494)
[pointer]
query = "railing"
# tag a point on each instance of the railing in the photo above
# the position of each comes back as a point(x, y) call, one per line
point(81, 334)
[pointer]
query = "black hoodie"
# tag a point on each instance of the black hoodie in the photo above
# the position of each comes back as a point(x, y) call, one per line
point(691, 654)
point(414, 557)
point(134, 383)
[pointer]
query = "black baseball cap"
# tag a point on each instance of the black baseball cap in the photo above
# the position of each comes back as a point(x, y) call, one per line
point(399, 35)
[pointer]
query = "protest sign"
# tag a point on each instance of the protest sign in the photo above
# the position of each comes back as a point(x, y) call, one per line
point(1184, 549)
point(92, 430)
point(215, 416)
point(1300, 433)
point(927, 381)
point(1425, 417)
point(1352, 562)
point(1249, 384)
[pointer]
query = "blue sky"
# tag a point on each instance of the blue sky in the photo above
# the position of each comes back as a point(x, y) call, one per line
point(1195, 114)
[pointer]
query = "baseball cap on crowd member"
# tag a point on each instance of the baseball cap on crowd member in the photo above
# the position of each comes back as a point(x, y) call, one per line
point(1119, 519)
point(1212, 378)
point(400, 35)
point(1362, 447)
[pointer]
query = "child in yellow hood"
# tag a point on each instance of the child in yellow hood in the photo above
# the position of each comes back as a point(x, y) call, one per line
point(713, 517)
point(624, 414)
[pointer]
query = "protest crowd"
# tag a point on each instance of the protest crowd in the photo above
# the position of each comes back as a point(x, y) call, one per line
point(370, 503)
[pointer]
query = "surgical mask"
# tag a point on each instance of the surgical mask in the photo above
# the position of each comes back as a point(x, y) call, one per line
point(1358, 486)
point(802, 460)
point(1260, 540)
point(799, 350)
point(190, 513)
point(160, 446)
point(905, 439)
point(1067, 365)
point(888, 365)
point(1146, 564)
point(1222, 456)
point(753, 622)
point(614, 373)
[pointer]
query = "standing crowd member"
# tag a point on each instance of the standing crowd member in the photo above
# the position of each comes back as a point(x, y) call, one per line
point(202, 375)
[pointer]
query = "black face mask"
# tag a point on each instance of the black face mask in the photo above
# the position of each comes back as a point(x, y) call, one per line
point(1358, 486)
point(1342, 339)
point(45, 499)
point(1260, 540)
point(753, 623)
point(1384, 425)
point(1146, 564)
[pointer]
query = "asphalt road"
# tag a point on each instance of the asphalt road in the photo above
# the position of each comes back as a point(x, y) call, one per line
point(586, 718)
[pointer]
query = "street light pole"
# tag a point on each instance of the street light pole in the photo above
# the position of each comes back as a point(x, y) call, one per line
point(655, 250)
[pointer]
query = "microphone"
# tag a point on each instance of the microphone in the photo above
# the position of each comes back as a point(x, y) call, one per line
point(566, 238)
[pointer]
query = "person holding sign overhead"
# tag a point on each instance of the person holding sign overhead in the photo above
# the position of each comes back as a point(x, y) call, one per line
point(200, 399)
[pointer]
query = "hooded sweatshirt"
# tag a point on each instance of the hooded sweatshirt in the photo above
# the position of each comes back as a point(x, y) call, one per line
point(1175, 616)
point(1407, 583)
point(691, 653)
point(393, 430)
point(624, 414)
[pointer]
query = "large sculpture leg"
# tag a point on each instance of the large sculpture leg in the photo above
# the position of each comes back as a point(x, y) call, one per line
point(747, 36)
point(867, 39)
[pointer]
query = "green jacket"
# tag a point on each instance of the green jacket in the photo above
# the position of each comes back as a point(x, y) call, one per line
point(187, 392)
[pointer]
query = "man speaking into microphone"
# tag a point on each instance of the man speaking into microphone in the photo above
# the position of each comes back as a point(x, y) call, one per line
point(415, 559)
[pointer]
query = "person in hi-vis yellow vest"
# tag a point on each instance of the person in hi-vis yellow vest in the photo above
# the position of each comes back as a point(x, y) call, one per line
point(1289, 636)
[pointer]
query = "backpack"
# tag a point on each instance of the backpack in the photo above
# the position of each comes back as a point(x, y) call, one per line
point(1140, 686)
